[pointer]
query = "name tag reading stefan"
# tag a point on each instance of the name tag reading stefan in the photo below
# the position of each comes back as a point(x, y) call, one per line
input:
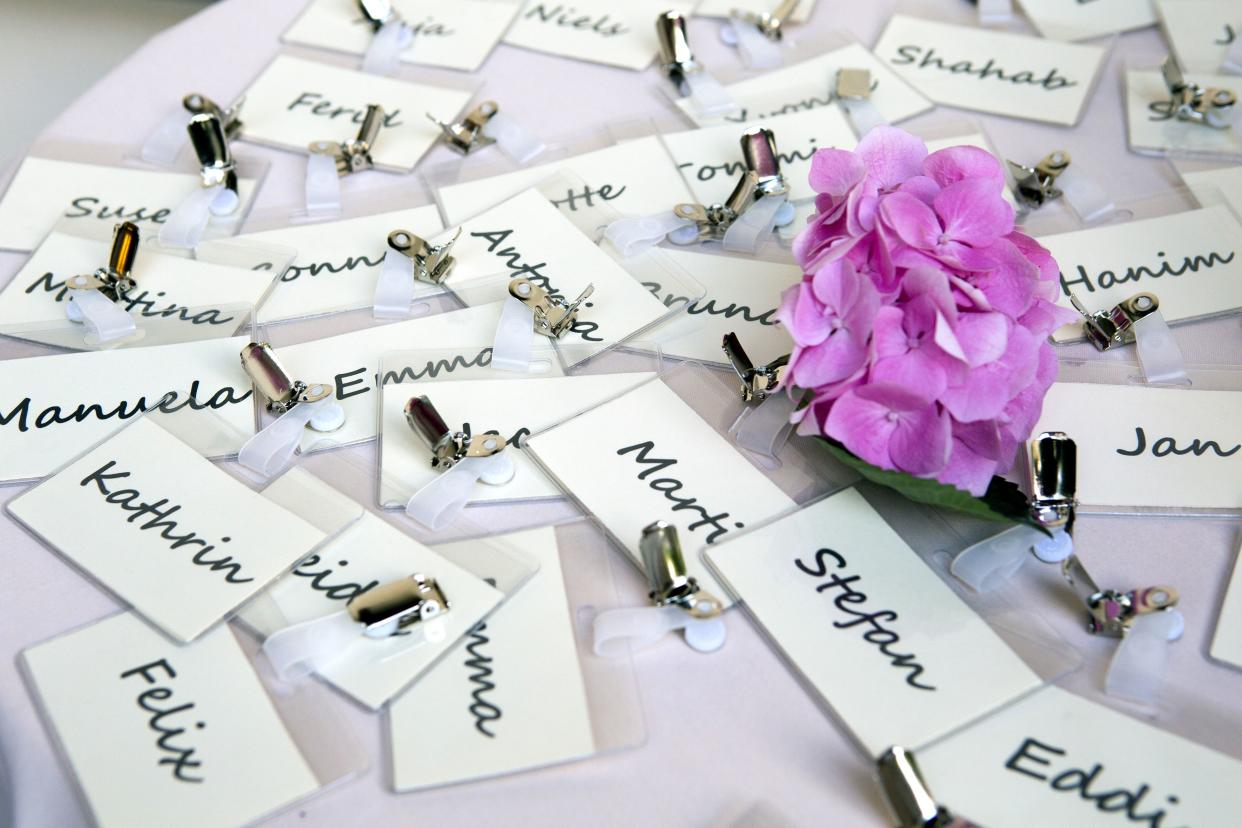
point(45, 192)
point(834, 585)
point(165, 529)
point(988, 71)
point(338, 262)
point(1150, 447)
point(161, 735)
point(1189, 260)
point(1074, 762)
point(1153, 123)
point(1200, 31)
point(457, 35)
point(599, 31)
point(647, 456)
point(1078, 20)
point(295, 102)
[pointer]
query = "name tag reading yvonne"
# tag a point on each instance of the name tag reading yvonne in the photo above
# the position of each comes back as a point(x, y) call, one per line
point(833, 585)
point(1150, 447)
point(1190, 260)
point(161, 735)
point(989, 71)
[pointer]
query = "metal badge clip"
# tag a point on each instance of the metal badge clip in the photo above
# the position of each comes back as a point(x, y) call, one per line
point(1036, 186)
point(666, 573)
point(1138, 320)
point(676, 59)
point(1106, 328)
point(197, 103)
point(389, 609)
point(769, 23)
point(554, 317)
point(853, 85)
point(757, 382)
point(448, 447)
point(378, 13)
point(1054, 480)
point(432, 262)
point(908, 796)
point(468, 134)
point(354, 156)
point(273, 382)
point(1111, 612)
point(1191, 102)
point(116, 280)
point(211, 145)
point(762, 179)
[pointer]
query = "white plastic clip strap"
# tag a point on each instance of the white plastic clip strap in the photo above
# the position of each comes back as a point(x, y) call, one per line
point(995, 11)
point(270, 450)
point(513, 139)
point(707, 97)
point(104, 319)
point(308, 647)
point(1085, 195)
point(632, 236)
point(438, 504)
point(394, 291)
point(166, 142)
point(1158, 353)
point(616, 632)
point(765, 427)
point(991, 562)
point(386, 47)
point(323, 186)
point(1139, 663)
point(864, 115)
point(515, 332)
point(1233, 58)
point(755, 225)
point(185, 226)
point(756, 50)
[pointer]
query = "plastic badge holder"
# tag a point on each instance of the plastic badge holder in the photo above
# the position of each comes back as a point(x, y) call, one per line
point(328, 746)
point(1153, 125)
point(147, 317)
point(403, 459)
point(617, 719)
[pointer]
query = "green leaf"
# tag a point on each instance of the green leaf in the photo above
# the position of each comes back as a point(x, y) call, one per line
point(1003, 501)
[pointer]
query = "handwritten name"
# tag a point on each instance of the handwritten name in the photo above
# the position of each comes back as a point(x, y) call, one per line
point(1027, 760)
point(84, 206)
point(670, 486)
point(321, 106)
point(481, 707)
point(569, 17)
point(1231, 34)
point(1164, 446)
point(710, 307)
point(293, 272)
point(876, 633)
point(124, 410)
point(1052, 80)
point(158, 512)
point(606, 192)
point(181, 758)
point(143, 304)
point(317, 580)
point(729, 169)
point(1106, 279)
point(745, 114)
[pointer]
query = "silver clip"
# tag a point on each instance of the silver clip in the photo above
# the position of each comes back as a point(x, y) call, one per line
point(907, 793)
point(198, 104)
point(389, 609)
point(666, 573)
point(1106, 328)
point(757, 382)
point(1036, 186)
point(762, 179)
point(1111, 612)
point(211, 145)
point(448, 447)
point(432, 262)
point(769, 23)
point(273, 382)
point(116, 280)
point(1054, 480)
point(1191, 102)
point(354, 156)
point(853, 85)
point(676, 60)
point(377, 13)
point(553, 316)
point(467, 134)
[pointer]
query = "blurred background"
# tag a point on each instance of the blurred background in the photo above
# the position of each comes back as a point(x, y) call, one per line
point(51, 51)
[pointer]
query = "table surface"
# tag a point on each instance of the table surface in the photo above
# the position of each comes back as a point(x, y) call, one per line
point(725, 731)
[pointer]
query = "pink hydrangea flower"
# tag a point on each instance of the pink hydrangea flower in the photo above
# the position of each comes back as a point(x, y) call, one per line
point(922, 320)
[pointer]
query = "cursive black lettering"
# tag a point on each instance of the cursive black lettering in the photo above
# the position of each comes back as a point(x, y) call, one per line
point(568, 17)
point(1164, 446)
point(669, 488)
point(181, 758)
point(333, 592)
point(322, 107)
point(482, 708)
point(928, 58)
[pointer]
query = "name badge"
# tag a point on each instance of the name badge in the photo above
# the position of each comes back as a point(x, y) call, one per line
point(1200, 31)
point(599, 31)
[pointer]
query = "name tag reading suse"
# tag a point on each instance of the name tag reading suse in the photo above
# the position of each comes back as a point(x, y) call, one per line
point(989, 71)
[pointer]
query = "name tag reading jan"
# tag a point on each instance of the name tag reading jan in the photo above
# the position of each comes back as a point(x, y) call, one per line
point(1075, 762)
point(295, 102)
point(988, 71)
point(165, 529)
point(834, 585)
point(161, 735)
point(1150, 447)
point(1189, 260)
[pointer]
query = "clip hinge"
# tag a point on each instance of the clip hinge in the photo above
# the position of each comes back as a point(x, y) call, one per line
point(666, 573)
point(432, 262)
point(553, 316)
point(388, 609)
point(758, 382)
point(467, 134)
point(211, 145)
point(762, 179)
point(197, 103)
point(274, 383)
point(1191, 102)
point(769, 23)
point(448, 447)
point(1054, 480)
point(1036, 186)
point(354, 156)
point(116, 280)
point(1106, 328)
